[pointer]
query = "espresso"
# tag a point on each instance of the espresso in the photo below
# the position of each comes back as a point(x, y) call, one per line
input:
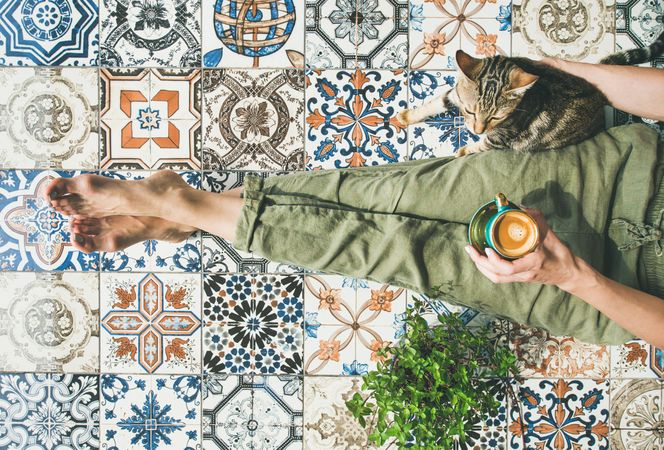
point(515, 234)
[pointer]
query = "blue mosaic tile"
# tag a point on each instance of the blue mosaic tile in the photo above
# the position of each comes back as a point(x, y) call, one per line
point(49, 32)
point(33, 236)
point(45, 412)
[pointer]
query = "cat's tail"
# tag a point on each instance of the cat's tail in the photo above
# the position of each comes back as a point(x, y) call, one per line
point(637, 55)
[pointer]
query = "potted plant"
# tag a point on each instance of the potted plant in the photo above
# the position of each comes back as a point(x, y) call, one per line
point(435, 384)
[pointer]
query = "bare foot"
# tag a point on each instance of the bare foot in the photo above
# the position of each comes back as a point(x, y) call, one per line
point(98, 196)
point(113, 233)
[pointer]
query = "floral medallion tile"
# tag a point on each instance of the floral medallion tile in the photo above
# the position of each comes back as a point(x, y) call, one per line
point(150, 119)
point(582, 30)
point(351, 118)
point(150, 323)
point(382, 34)
point(49, 322)
point(637, 359)
point(637, 404)
point(270, 35)
point(561, 414)
point(443, 134)
point(332, 34)
point(152, 255)
point(49, 33)
point(33, 236)
point(540, 354)
point(346, 325)
point(49, 411)
point(438, 29)
point(49, 117)
point(150, 412)
point(328, 424)
point(253, 323)
point(629, 439)
point(165, 33)
point(257, 412)
point(253, 119)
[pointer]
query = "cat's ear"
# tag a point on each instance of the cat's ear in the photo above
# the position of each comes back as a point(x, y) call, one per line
point(468, 65)
point(521, 81)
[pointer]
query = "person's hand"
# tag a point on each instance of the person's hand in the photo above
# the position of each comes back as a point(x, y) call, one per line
point(551, 263)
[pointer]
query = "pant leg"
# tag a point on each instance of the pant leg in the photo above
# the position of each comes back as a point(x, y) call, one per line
point(406, 224)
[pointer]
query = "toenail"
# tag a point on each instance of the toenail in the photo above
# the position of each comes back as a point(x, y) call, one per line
point(78, 238)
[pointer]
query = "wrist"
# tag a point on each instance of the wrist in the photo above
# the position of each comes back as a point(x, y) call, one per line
point(582, 277)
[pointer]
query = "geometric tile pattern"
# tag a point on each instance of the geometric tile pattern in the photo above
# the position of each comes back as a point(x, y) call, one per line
point(351, 118)
point(49, 411)
point(269, 35)
point(164, 33)
point(150, 323)
point(127, 87)
point(253, 324)
point(252, 411)
point(347, 322)
point(51, 32)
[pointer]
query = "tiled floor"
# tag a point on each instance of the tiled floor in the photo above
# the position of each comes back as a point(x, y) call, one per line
point(199, 345)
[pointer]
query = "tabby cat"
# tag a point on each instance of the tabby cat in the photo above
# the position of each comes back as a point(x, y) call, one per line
point(525, 105)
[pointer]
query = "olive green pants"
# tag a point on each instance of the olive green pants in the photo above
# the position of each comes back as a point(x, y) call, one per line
point(406, 223)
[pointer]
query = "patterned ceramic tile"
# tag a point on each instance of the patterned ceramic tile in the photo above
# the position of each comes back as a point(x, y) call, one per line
point(440, 135)
point(33, 237)
point(637, 359)
point(165, 33)
point(253, 119)
point(253, 323)
point(271, 34)
point(51, 32)
point(439, 29)
point(152, 255)
point(331, 34)
point(351, 118)
point(540, 354)
point(637, 404)
point(382, 34)
point(49, 117)
point(252, 412)
point(150, 323)
point(45, 412)
point(561, 414)
point(49, 322)
point(150, 119)
point(652, 439)
point(150, 412)
point(581, 30)
point(328, 424)
point(345, 325)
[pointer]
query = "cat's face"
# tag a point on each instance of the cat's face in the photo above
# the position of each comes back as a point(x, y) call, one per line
point(489, 90)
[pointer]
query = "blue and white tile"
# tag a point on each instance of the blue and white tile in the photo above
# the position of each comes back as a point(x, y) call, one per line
point(48, 412)
point(152, 255)
point(259, 412)
point(382, 34)
point(33, 236)
point(150, 412)
point(443, 134)
point(49, 322)
point(279, 44)
point(150, 33)
point(331, 35)
point(351, 118)
point(49, 33)
point(49, 117)
point(263, 317)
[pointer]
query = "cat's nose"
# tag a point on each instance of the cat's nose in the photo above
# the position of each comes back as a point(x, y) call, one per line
point(479, 127)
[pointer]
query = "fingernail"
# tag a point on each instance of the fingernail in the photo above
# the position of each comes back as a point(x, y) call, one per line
point(78, 238)
point(467, 249)
point(488, 250)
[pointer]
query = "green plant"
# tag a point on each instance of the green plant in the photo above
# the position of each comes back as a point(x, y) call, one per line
point(434, 385)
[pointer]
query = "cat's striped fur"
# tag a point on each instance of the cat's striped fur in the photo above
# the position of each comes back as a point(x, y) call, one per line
point(525, 105)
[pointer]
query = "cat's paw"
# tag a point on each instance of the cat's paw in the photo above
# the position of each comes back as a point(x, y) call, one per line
point(474, 147)
point(463, 151)
point(403, 117)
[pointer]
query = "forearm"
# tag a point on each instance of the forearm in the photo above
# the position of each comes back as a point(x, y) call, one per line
point(636, 90)
point(638, 312)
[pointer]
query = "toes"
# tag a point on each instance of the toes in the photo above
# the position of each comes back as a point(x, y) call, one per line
point(84, 243)
point(58, 187)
